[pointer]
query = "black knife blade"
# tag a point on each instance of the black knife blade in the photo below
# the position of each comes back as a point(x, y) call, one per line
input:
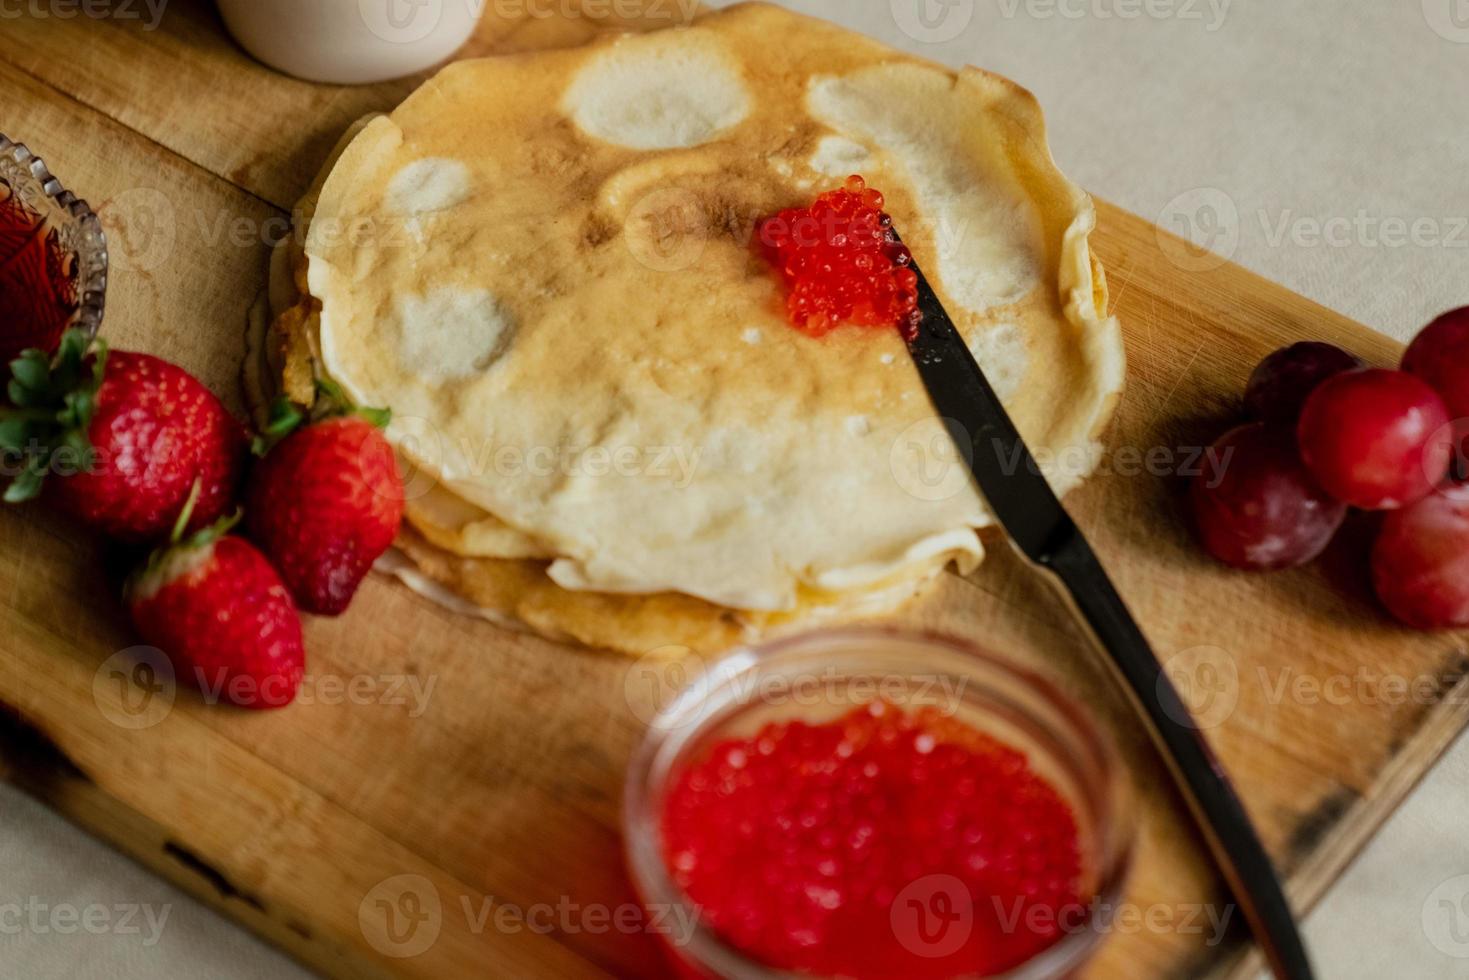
point(1041, 530)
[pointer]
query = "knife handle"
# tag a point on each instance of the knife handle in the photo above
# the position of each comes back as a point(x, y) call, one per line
point(1217, 809)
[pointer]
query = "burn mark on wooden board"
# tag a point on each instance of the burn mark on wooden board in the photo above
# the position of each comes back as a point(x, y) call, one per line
point(218, 880)
point(30, 757)
point(1312, 828)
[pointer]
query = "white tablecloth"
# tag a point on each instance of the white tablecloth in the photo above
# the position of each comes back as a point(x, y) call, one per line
point(1322, 143)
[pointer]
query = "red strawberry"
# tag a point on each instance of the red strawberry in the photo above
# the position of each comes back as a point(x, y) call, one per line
point(124, 436)
point(326, 502)
point(218, 610)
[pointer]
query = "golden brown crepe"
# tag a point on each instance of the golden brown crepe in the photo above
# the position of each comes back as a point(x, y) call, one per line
point(542, 263)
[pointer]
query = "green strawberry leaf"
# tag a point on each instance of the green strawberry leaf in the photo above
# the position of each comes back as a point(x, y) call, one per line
point(284, 419)
point(55, 401)
point(176, 541)
point(205, 535)
point(379, 417)
point(20, 395)
point(99, 363)
point(80, 407)
point(15, 434)
point(329, 389)
point(27, 486)
point(77, 444)
point(74, 345)
point(32, 370)
point(334, 403)
point(212, 533)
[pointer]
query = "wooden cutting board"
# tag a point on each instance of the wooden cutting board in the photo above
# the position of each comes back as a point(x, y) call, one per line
point(441, 764)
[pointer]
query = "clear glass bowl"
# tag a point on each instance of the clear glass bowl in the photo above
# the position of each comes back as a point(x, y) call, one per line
point(25, 179)
point(822, 676)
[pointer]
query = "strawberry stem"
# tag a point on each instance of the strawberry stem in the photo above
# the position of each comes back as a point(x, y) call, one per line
point(176, 542)
point(187, 513)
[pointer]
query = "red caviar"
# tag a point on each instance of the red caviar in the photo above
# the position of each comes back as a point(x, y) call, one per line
point(882, 844)
point(38, 281)
point(842, 263)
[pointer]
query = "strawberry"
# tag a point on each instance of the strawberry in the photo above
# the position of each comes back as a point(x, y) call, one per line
point(125, 437)
point(215, 606)
point(327, 499)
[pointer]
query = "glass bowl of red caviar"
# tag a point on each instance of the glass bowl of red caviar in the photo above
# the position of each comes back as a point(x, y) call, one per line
point(53, 256)
point(877, 803)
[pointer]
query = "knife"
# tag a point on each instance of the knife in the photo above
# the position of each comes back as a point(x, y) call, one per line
point(1041, 530)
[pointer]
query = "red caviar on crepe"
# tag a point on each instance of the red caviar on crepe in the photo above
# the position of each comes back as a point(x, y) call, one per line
point(842, 262)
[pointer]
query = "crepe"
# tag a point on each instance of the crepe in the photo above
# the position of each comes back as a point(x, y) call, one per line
point(542, 263)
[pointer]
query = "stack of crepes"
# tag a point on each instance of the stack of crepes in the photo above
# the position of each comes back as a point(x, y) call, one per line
point(543, 264)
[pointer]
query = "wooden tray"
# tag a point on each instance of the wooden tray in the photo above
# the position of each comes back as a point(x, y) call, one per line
point(308, 825)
